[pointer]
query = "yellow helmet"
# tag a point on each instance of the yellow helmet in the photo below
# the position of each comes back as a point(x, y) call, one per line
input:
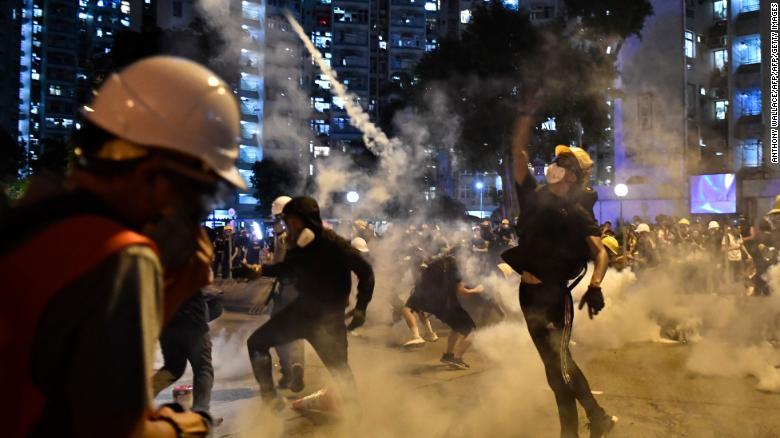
point(582, 156)
point(611, 244)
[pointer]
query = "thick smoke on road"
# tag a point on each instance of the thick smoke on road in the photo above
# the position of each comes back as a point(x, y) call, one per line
point(728, 334)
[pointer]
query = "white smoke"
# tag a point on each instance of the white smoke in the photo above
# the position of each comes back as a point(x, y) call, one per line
point(375, 140)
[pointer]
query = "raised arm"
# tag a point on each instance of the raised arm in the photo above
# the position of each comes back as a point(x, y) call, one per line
point(521, 135)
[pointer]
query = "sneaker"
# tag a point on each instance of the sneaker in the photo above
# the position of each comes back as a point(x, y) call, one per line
point(600, 428)
point(431, 337)
point(454, 362)
point(414, 342)
point(296, 383)
point(274, 401)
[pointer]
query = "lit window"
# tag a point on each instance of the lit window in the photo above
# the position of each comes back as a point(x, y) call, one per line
point(720, 58)
point(721, 108)
point(749, 51)
point(247, 199)
point(749, 102)
point(750, 5)
point(55, 90)
point(247, 175)
point(125, 7)
point(35, 76)
point(99, 33)
point(430, 6)
point(549, 125)
point(720, 9)
point(37, 12)
point(465, 16)
point(690, 45)
point(750, 153)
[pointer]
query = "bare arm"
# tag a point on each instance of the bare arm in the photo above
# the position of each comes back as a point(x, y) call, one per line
point(520, 138)
point(600, 259)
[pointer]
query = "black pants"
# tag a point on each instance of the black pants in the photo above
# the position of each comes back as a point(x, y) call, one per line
point(325, 331)
point(548, 311)
point(179, 345)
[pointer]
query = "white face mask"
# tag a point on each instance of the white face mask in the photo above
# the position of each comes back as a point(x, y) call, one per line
point(306, 237)
point(555, 173)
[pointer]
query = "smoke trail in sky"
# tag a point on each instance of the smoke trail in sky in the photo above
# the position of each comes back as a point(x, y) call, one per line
point(375, 139)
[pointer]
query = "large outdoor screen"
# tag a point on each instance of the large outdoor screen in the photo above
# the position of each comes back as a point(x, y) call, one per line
point(714, 194)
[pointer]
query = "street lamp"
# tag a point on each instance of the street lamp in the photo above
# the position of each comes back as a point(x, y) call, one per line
point(352, 198)
point(479, 186)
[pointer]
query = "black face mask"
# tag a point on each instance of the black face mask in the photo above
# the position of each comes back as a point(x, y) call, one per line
point(176, 234)
point(176, 238)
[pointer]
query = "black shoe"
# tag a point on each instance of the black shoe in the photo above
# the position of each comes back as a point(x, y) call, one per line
point(446, 358)
point(454, 362)
point(296, 383)
point(601, 427)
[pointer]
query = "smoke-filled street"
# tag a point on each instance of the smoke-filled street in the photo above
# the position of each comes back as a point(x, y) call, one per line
point(650, 385)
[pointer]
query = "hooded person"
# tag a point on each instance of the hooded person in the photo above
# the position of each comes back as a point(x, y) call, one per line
point(557, 235)
point(319, 264)
point(118, 247)
point(283, 292)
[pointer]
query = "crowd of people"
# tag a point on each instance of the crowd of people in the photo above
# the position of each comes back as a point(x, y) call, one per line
point(734, 251)
point(122, 263)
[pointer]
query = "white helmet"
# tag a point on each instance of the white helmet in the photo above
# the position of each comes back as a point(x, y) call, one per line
point(643, 228)
point(176, 104)
point(713, 225)
point(278, 205)
point(359, 244)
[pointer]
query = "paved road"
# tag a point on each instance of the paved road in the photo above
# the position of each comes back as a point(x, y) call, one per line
point(504, 394)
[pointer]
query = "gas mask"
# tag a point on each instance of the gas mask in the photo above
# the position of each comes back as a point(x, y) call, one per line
point(305, 238)
point(555, 173)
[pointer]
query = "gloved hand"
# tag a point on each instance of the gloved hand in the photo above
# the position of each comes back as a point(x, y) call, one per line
point(358, 319)
point(594, 298)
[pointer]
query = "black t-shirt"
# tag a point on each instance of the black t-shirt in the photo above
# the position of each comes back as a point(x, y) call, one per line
point(552, 234)
point(437, 284)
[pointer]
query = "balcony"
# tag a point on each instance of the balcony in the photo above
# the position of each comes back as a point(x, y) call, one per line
point(747, 23)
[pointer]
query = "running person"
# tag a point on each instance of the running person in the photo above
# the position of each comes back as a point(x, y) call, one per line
point(437, 293)
point(556, 236)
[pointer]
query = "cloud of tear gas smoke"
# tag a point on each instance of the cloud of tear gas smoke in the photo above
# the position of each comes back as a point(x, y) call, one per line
point(650, 115)
point(270, 61)
point(729, 334)
point(376, 140)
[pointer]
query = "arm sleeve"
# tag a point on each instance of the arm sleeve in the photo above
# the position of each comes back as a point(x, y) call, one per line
point(109, 376)
point(526, 193)
point(365, 276)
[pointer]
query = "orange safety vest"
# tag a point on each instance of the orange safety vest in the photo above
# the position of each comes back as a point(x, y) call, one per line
point(32, 275)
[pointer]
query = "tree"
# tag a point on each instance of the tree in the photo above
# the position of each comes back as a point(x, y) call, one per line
point(271, 179)
point(503, 61)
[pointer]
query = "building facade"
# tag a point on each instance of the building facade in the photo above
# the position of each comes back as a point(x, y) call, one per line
point(10, 45)
point(703, 111)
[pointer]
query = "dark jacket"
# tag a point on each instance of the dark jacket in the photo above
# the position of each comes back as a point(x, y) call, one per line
point(321, 272)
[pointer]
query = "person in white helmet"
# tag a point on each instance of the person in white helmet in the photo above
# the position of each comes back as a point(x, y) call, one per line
point(123, 248)
point(291, 355)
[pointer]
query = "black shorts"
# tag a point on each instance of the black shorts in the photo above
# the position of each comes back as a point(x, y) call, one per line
point(453, 316)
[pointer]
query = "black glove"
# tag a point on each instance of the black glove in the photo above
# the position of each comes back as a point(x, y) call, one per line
point(358, 319)
point(594, 299)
